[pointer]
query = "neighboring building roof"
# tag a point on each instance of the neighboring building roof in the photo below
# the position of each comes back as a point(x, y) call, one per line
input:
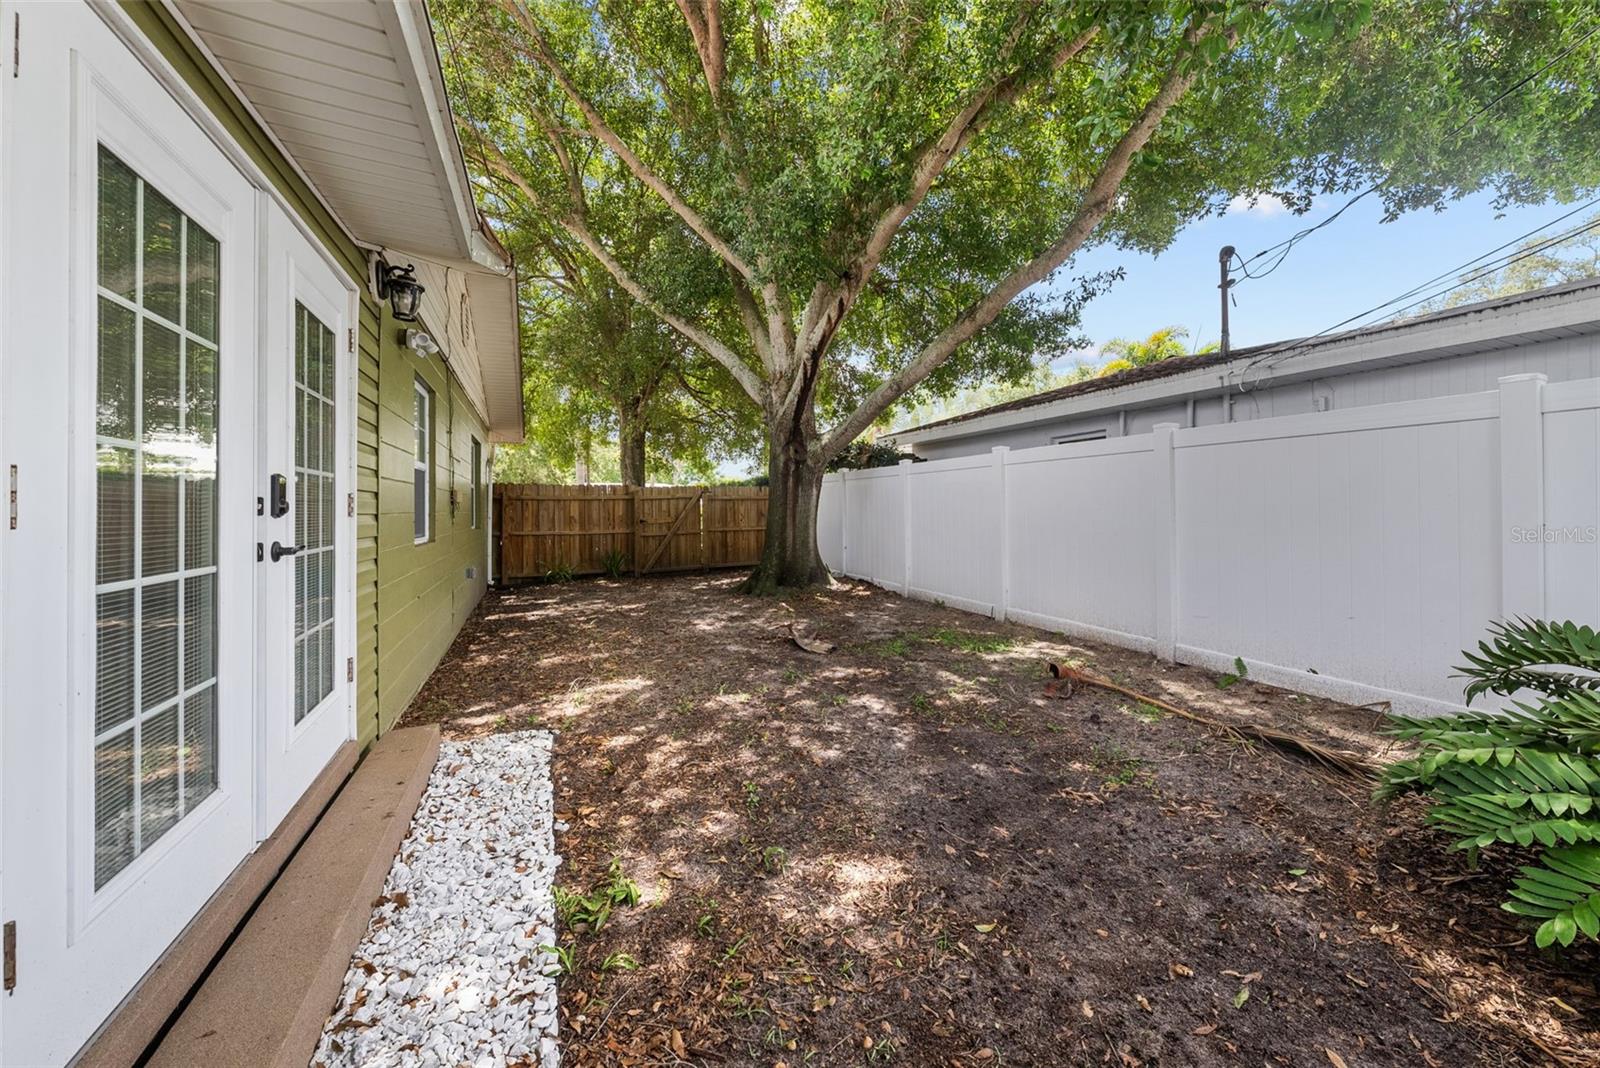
point(354, 96)
point(1572, 308)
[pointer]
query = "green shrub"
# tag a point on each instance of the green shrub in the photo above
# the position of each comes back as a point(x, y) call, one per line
point(613, 563)
point(1524, 778)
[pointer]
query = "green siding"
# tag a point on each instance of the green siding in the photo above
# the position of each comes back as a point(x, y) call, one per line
point(410, 599)
point(424, 592)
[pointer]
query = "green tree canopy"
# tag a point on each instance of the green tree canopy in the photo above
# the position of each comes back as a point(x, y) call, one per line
point(1537, 262)
point(870, 189)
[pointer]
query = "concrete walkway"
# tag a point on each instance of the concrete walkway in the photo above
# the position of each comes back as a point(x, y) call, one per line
point(264, 1004)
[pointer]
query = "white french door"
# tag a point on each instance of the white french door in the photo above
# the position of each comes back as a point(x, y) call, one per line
point(306, 531)
point(169, 342)
point(129, 709)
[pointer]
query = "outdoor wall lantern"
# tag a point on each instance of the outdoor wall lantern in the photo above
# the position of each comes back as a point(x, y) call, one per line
point(400, 287)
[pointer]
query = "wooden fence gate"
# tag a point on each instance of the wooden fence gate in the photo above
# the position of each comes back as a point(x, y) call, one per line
point(543, 530)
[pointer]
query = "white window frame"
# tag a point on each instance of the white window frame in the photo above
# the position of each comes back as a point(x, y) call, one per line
point(475, 493)
point(424, 465)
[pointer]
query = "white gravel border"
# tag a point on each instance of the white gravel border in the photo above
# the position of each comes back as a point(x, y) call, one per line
point(451, 971)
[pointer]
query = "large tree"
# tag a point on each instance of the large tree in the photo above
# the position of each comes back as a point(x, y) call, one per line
point(876, 184)
point(603, 371)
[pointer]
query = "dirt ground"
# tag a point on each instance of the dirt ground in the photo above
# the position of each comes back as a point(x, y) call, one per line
point(904, 852)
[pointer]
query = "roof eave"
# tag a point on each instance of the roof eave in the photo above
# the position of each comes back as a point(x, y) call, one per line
point(1577, 308)
point(408, 23)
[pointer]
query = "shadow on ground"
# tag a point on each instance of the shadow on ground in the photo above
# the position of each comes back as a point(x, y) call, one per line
point(904, 852)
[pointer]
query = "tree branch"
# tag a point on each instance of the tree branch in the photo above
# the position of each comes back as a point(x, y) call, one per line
point(828, 307)
point(747, 379)
point(1097, 202)
point(607, 136)
point(776, 341)
point(573, 222)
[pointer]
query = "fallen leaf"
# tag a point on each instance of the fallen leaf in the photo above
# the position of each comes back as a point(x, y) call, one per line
point(1338, 1061)
point(1241, 997)
point(1088, 1011)
point(983, 928)
point(1204, 1029)
point(1143, 1002)
point(679, 1050)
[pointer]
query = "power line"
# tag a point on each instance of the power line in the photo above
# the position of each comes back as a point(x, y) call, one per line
point(1290, 348)
point(1288, 244)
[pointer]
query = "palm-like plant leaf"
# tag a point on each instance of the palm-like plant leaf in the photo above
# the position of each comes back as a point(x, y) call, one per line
point(1563, 890)
point(1530, 654)
point(1527, 776)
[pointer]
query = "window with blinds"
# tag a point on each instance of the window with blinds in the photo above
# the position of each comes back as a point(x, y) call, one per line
point(155, 707)
point(314, 442)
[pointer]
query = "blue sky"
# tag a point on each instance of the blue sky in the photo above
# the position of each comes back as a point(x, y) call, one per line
point(1350, 265)
point(1347, 267)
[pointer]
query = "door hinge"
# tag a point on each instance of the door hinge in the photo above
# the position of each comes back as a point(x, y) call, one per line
point(350, 340)
point(350, 505)
point(350, 669)
point(11, 955)
point(13, 496)
point(16, 44)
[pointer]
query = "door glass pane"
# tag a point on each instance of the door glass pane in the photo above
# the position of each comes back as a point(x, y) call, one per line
point(314, 439)
point(155, 720)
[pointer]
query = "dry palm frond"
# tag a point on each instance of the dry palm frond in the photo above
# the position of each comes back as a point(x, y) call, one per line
point(1342, 760)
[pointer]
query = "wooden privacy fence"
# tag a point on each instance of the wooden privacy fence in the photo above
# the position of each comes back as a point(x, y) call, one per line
point(543, 529)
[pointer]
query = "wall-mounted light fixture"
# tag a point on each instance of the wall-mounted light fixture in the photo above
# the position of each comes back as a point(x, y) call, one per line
point(420, 343)
point(399, 286)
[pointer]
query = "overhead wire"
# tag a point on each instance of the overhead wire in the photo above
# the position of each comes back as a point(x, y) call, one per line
point(1287, 245)
point(1279, 353)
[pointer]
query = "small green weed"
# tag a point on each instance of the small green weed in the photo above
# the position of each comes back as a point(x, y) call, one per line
point(561, 572)
point(1238, 673)
point(1145, 711)
point(967, 642)
point(706, 922)
point(564, 962)
point(1120, 767)
point(623, 962)
point(882, 1051)
point(593, 909)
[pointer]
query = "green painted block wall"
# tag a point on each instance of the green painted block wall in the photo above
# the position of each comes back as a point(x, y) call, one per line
point(398, 640)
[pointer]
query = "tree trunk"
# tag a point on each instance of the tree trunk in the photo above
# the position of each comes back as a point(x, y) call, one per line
point(630, 439)
point(790, 558)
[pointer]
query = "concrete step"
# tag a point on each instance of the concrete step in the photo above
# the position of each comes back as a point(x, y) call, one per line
point(265, 1002)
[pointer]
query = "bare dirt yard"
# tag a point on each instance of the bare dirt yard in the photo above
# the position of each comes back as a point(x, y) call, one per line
point(905, 852)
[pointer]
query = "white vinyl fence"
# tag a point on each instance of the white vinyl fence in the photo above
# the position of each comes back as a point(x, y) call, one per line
point(1351, 554)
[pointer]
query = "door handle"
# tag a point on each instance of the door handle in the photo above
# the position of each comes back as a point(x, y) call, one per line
point(280, 551)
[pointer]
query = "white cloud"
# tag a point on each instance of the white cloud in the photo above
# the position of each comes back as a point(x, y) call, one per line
point(1266, 206)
